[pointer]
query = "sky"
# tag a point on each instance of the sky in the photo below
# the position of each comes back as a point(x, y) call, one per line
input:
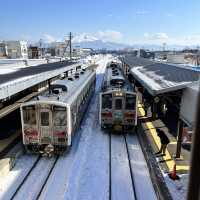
point(122, 21)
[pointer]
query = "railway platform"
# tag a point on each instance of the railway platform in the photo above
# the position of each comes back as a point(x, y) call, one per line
point(7, 143)
point(167, 161)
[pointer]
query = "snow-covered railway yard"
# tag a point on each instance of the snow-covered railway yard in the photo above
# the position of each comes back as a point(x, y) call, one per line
point(99, 165)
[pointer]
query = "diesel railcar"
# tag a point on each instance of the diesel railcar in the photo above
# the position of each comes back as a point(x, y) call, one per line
point(49, 121)
point(118, 101)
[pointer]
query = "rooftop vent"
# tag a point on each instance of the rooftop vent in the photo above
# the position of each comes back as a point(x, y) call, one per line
point(76, 75)
point(70, 79)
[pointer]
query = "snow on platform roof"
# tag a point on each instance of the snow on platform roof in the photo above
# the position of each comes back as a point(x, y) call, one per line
point(158, 77)
point(12, 83)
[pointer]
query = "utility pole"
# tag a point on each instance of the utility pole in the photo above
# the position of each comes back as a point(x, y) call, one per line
point(70, 45)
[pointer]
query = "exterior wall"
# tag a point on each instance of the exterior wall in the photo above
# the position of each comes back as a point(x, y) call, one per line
point(60, 48)
point(85, 52)
point(33, 52)
point(3, 49)
point(17, 49)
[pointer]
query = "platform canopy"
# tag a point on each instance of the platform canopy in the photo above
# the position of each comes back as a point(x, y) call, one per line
point(159, 77)
point(23, 78)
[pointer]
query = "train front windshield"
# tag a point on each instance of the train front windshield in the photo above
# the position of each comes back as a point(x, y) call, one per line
point(130, 102)
point(29, 115)
point(59, 116)
point(107, 101)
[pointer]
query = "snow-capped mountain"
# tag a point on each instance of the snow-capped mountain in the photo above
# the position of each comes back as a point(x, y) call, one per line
point(99, 44)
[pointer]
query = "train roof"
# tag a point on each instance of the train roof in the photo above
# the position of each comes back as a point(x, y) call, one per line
point(109, 76)
point(63, 96)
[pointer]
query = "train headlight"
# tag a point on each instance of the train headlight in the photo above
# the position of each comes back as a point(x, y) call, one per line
point(118, 94)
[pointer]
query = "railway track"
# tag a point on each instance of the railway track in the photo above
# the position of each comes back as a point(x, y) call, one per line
point(26, 177)
point(119, 163)
point(32, 176)
point(131, 172)
point(47, 178)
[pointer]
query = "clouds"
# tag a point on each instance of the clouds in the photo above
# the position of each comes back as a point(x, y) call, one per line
point(84, 37)
point(48, 38)
point(156, 36)
point(159, 38)
point(110, 35)
point(106, 35)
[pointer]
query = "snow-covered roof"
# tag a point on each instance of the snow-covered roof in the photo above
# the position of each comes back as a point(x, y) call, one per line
point(158, 77)
point(23, 78)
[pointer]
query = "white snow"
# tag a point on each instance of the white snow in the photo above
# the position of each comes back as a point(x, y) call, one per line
point(177, 188)
point(9, 183)
point(142, 180)
point(120, 172)
point(7, 71)
point(86, 164)
point(151, 79)
point(31, 188)
point(83, 172)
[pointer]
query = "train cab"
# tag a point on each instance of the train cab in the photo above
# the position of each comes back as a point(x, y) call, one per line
point(44, 124)
point(118, 110)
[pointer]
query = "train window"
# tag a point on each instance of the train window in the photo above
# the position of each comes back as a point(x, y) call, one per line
point(29, 115)
point(107, 101)
point(44, 118)
point(118, 104)
point(60, 118)
point(130, 103)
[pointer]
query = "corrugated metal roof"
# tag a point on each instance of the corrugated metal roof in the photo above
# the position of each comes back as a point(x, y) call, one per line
point(32, 70)
point(159, 78)
point(18, 81)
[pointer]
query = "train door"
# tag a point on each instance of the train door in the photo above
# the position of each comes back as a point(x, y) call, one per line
point(118, 110)
point(59, 124)
point(130, 112)
point(106, 109)
point(45, 125)
point(29, 124)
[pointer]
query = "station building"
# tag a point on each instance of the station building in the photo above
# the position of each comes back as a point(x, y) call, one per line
point(168, 91)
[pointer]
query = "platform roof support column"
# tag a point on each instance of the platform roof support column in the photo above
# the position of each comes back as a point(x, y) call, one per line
point(194, 180)
point(179, 139)
point(154, 110)
point(49, 84)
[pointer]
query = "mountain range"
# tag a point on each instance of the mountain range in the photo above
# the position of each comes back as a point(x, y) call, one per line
point(100, 44)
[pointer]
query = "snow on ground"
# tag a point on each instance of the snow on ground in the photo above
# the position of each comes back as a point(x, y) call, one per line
point(178, 188)
point(142, 180)
point(81, 168)
point(36, 179)
point(9, 183)
point(83, 172)
point(120, 172)
point(7, 70)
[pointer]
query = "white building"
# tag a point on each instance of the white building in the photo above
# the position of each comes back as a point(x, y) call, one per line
point(61, 49)
point(17, 49)
point(85, 51)
point(3, 49)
